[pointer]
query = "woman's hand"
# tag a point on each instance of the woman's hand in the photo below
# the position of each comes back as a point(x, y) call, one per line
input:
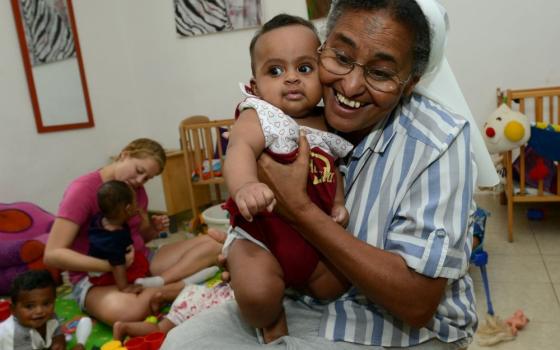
point(160, 223)
point(287, 181)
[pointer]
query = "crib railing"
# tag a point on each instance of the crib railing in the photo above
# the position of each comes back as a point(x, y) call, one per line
point(540, 105)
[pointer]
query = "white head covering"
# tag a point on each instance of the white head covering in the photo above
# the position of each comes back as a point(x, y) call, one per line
point(439, 84)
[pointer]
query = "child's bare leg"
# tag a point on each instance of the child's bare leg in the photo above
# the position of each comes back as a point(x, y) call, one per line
point(326, 282)
point(134, 329)
point(166, 294)
point(257, 281)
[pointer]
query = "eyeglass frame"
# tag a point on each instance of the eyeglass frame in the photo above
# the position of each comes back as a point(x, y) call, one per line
point(395, 77)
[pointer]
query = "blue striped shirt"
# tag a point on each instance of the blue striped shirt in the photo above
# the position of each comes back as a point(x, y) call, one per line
point(411, 193)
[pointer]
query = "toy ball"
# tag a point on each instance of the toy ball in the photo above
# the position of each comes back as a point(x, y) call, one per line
point(506, 129)
point(151, 319)
point(535, 214)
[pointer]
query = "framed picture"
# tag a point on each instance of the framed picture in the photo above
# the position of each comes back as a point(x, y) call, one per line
point(318, 8)
point(196, 17)
point(47, 30)
point(51, 57)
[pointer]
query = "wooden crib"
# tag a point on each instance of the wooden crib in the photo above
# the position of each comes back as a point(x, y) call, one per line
point(540, 105)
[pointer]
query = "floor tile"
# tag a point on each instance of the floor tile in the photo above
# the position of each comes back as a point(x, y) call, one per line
point(537, 300)
point(552, 263)
point(547, 236)
point(518, 269)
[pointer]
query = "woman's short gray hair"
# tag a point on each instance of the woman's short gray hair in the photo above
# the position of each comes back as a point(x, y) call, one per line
point(406, 12)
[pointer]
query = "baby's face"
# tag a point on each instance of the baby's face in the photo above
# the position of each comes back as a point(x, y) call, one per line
point(286, 69)
point(34, 307)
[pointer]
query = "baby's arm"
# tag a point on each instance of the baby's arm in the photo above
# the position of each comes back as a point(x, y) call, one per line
point(246, 143)
point(119, 273)
point(58, 342)
point(338, 211)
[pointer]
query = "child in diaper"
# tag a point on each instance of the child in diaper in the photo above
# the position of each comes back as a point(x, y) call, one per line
point(265, 254)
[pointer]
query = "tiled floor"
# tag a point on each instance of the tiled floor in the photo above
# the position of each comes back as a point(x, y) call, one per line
point(524, 274)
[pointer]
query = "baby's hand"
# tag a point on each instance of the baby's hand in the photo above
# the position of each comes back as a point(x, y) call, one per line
point(160, 223)
point(253, 198)
point(132, 288)
point(340, 214)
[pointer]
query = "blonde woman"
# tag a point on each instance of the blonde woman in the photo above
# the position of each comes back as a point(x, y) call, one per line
point(66, 249)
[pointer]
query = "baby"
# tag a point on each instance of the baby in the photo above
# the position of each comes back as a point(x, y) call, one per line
point(109, 237)
point(33, 324)
point(188, 300)
point(265, 254)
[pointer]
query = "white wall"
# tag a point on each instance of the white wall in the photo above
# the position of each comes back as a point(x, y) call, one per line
point(502, 43)
point(143, 80)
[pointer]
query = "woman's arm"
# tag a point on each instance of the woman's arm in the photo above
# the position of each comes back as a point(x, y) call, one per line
point(383, 277)
point(59, 254)
point(246, 143)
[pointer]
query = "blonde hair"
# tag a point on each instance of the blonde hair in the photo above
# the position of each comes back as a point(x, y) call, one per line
point(146, 148)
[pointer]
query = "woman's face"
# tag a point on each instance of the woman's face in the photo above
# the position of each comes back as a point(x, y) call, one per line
point(135, 171)
point(373, 39)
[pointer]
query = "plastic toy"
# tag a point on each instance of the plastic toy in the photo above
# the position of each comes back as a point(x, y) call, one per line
point(517, 321)
point(151, 341)
point(505, 130)
point(83, 330)
point(112, 345)
point(535, 214)
point(4, 309)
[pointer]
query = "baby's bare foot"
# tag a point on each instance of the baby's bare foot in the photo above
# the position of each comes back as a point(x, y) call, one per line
point(156, 302)
point(276, 330)
point(119, 330)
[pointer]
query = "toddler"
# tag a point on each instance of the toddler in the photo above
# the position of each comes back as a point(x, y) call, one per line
point(33, 323)
point(265, 254)
point(188, 300)
point(109, 237)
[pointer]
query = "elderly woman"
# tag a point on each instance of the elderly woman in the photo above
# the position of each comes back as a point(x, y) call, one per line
point(409, 188)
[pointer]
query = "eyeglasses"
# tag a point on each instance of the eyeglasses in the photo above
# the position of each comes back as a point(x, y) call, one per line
point(378, 78)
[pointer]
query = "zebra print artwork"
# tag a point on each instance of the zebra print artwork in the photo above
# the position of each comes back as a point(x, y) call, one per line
point(195, 17)
point(47, 30)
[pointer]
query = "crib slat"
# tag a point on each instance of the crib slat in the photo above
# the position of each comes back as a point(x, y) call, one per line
point(539, 109)
point(522, 190)
point(551, 109)
point(558, 109)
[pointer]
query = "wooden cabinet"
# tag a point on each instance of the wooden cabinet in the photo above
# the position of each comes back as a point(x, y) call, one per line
point(175, 187)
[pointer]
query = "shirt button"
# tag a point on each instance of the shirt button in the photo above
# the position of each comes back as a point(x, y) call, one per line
point(440, 233)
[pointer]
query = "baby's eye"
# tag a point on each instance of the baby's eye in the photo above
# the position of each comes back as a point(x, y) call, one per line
point(140, 170)
point(275, 71)
point(305, 68)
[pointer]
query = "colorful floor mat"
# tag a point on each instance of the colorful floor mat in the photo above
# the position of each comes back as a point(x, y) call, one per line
point(69, 314)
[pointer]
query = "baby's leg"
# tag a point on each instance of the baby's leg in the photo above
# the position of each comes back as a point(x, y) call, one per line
point(166, 294)
point(258, 285)
point(326, 282)
point(134, 329)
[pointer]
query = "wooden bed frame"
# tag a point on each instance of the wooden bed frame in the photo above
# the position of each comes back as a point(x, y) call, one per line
point(540, 105)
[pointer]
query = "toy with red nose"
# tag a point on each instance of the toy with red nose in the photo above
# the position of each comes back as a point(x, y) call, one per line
point(505, 130)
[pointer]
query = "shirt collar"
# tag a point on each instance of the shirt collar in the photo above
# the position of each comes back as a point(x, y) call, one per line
point(375, 142)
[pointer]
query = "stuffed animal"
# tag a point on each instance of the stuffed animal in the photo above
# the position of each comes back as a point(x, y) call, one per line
point(505, 130)
point(24, 229)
